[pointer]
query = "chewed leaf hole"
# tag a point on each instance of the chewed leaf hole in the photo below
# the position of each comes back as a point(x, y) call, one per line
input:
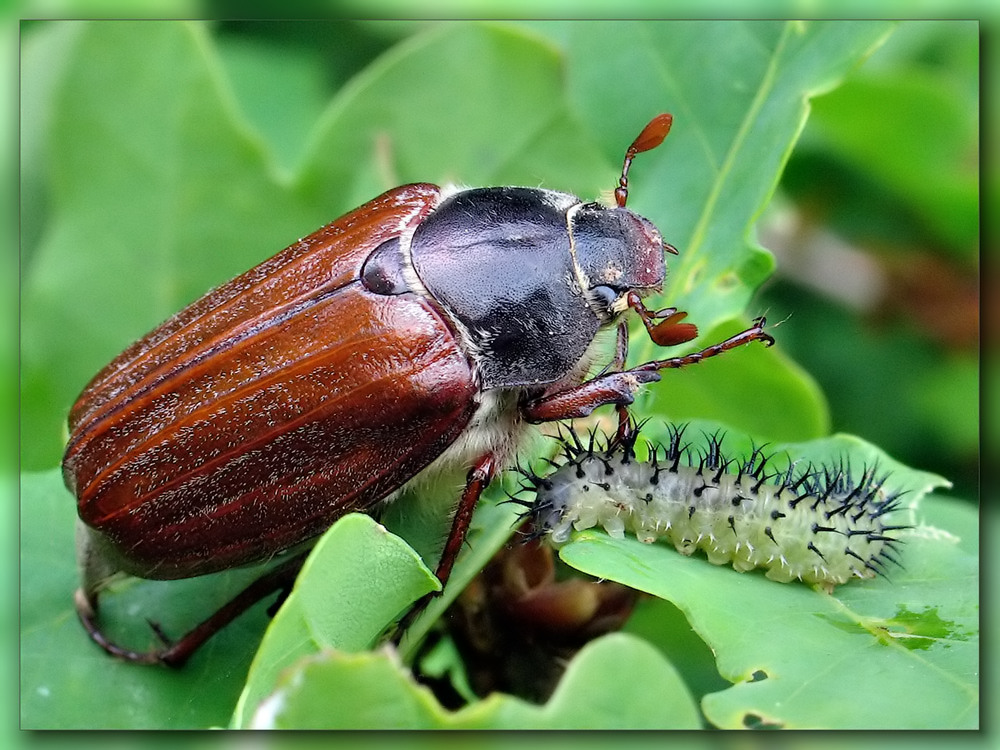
point(755, 721)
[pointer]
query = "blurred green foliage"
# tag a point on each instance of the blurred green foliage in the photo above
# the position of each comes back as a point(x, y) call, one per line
point(876, 227)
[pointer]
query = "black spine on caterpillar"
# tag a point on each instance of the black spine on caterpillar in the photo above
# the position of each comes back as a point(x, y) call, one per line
point(818, 524)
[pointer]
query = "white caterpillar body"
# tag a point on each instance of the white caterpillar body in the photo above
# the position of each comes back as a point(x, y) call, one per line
point(820, 526)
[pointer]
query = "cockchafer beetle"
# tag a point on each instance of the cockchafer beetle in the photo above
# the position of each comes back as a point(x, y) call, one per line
point(418, 333)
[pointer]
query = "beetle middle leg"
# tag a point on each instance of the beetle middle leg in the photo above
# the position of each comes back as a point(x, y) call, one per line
point(482, 473)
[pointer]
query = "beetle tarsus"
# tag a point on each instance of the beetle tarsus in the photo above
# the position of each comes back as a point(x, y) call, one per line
point(619, 388)
point(756, 332)
point(176, 653)
point(86, 609)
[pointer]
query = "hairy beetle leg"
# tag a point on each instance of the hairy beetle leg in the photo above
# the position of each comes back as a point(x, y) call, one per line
point(617, 388)
point(176, 653)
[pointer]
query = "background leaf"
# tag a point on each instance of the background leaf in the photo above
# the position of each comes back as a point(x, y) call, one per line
point(735, 124)
point(876, 232)
point(356, 582)
point(371, 691)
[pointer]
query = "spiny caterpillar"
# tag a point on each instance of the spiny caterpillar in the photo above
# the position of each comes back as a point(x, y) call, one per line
point(820, 525)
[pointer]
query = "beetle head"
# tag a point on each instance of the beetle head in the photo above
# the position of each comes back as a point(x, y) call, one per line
point(617, 252)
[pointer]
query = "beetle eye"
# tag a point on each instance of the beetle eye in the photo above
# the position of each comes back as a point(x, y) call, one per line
point(603, 298)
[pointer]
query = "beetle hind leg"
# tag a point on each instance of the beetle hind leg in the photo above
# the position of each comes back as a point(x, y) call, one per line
point(176, 653)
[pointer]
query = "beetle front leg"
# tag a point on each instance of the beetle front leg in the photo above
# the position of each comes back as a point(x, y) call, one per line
point(755, 333)
point(619, 388)
point(617, 365)
point(621, 349)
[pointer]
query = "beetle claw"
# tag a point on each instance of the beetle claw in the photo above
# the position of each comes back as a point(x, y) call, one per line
point(161, 636)
point(86, 609)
